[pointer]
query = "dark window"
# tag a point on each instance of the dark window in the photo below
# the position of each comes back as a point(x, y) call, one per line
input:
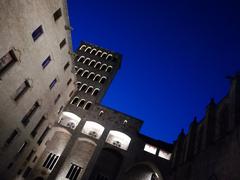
point(66, 66)
point(50, 161)
point(70, 94)
point(27, 172)
point(57, 14)
point(88, 105)
point(53, 83)
point(35, 158)
point(10, 165)
point(37, 33)
point(60, 109)
point(11, 137)
point(44, 134)
point(30, 155)
point(7, 61)
point(57, 98)
point(21, 90)
point(82, 102)
point(21, 149)
point(69, 81)
point(75, 100)
point(73, 172)
point(25, 119)
point(46, 62)
point(19, 171)
point(62, 43)
point(35, 130)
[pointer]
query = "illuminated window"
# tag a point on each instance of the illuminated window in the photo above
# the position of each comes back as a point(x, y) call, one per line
point(164, 154)
point(149, 148)
point(93, 129)
point(118, 139)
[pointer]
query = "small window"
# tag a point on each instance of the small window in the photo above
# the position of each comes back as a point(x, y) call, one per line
point(75, 100)
point(73, 172)
point(30, 155)
point(66, 66)
point(12, 136)
point(26, 118)
point(37, 33)
point(62, 43)
point(88, 105)
point(44, 134)
point(21, 90)
point(34, 159)
point(100, 113)
point(46, 62)
point(149, 148)
point(102, 80)
point(50, 161)
point(81, 103)
point(70, 94)
point(53, 83)
point(57, 98)
point(95, 92)
point(60, 109)
point(69, 81)
point(57, 14)
point(37, 127)
point(7, 61)
point(27, 172)
point(21, 149)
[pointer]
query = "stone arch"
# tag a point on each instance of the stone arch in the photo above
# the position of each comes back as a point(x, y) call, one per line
point(105, 170)
point(143, 171)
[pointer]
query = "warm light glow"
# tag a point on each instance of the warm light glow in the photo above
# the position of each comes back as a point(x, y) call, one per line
point(164, 154)
point(69, 119)
point(118, 139)
point(93, 129)
point(149, 148)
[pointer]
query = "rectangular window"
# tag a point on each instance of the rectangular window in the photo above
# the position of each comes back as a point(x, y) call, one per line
point(21, 90)
point(66, 66)
point(57, 98)
point(149, 148)
point(26, 118)
point(62, 43)
point(37, 33)
point(60, 109)
point(30, 155)
point(73, 172)
point(34, 159)
point(46, 62)
point(53, 83)
point(27, 172)
point(70, 94)
point(57, 14)
point(35, 130)
point(50, 161)
point(11, 137)
point(21, 149)
point(69, 81)
point(44, 134)
point(7, 61)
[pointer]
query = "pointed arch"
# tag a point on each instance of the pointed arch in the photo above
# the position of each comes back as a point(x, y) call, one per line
point(75, 100)
point(86, 61)
point(82, 47)
point(95, 92)
point(93, 51)
point(88, 49)
point(109, 56)
point(103, 80)
point(103, 67)
point(92, 63)
point(81, 58)
point(109, 69)
point(97, 77)
point(85, 73)
point(98, 53)
point(87, 105)
point(91, 75)
point(81, 103)
point(97, 65)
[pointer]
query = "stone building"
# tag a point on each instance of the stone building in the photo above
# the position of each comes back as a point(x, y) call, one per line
point(59, 128)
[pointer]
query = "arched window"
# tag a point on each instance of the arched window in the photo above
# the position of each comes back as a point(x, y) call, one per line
point(109, 69)
point(97, 77)
point(81, 58)
point(87, 105)
point(85, 73)
point(95, 92)
point(109, 56)
point(83, 87)
point(89, 89)
point(81, 103)
point(86, 61)
point(103, 67)
point(79, 71)
point(118, 139)
point(75, 100)
point(76, 68)
point(93, 51)
point(104, 55)
point(88, 49)
point(100, 113)
point(97, 65)
point(91, 75)
point(78, 84)
point(93, 129)
point(98, 53)
point(102, 80)
point(69, 119)
point(92, 63)
point(83, 47)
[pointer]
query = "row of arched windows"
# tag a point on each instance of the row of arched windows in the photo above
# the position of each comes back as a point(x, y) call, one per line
point(90, 75)
point(96, 52)
point(81, 103)
point(96, 64)
point(89, 89)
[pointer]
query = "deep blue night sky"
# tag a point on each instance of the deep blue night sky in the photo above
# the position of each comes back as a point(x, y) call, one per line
point(176, 55)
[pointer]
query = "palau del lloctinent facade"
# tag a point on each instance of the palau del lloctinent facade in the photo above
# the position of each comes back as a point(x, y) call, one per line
point(53, 125)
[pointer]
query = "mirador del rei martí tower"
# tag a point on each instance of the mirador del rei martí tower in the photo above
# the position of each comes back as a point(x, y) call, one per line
point(94, 142)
